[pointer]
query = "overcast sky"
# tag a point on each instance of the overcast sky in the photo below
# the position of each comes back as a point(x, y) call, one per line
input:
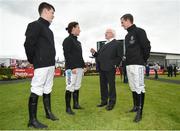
point(160, 19)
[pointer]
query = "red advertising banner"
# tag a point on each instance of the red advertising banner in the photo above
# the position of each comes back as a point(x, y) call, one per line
point(29, 72)
point(57, 72)
point(160, 72)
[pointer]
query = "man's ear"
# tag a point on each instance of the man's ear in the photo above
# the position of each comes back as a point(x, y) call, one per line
point(45, 11)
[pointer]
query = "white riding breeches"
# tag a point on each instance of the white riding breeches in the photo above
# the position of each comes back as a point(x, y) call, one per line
point(135, 75)
point(42, 81)
point(73, 81)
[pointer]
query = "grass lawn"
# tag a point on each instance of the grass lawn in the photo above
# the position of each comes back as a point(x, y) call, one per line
point(161, 109)
point(166, 77)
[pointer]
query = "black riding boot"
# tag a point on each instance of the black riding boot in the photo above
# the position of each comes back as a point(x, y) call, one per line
point(47, 107)
point(68, 102)
point(134, 109)
point(140, 100)
point(33, 122)
point(76, 100)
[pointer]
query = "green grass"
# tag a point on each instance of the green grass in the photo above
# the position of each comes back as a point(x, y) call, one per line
point(161, 109)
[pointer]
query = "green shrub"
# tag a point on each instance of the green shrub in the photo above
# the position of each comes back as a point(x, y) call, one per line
point(6, 73)
point(5, 77)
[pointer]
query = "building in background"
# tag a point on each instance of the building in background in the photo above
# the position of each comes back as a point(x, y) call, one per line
point(164, 59)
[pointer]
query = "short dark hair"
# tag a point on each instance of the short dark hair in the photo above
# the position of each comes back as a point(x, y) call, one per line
point(45, 5)
point(71, 25)
point(128, 17)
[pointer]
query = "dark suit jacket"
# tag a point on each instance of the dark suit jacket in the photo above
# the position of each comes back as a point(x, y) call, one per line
point(109, 55)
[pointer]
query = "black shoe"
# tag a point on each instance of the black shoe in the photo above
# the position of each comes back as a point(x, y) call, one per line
point(52, 117)
point(109, 107)
point(102, 104)
point(69, 111)
point(36, 124)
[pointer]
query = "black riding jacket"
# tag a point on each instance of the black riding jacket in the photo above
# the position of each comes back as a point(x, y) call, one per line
point(137, 46)
point(73, 53)
point(39, 44)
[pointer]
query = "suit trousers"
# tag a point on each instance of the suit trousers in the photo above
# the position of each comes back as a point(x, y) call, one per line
point(107, 78)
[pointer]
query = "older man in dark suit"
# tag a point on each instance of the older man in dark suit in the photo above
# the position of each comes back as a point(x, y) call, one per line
point(107, 58)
